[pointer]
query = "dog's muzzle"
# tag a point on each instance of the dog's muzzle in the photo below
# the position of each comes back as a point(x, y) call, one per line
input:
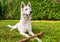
point(27, 14)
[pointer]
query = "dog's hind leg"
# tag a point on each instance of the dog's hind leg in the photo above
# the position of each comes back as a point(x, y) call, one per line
point(12, 27)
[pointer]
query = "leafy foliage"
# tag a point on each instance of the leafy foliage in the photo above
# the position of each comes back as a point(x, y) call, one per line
point(42, 9)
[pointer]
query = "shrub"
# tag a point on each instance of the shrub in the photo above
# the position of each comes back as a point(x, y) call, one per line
point(42, 9)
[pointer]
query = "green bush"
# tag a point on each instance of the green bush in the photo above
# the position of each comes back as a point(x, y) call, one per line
point(42, 9)
point(0, 9)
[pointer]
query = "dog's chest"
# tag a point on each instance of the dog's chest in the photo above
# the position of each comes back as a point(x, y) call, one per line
point(26, 25)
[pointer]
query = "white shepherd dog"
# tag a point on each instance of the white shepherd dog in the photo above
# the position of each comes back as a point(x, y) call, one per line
point(25, 21)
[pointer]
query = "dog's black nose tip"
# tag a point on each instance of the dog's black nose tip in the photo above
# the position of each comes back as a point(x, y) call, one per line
point(30, 11)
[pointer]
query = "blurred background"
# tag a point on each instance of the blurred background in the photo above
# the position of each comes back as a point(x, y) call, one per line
point(42, 9)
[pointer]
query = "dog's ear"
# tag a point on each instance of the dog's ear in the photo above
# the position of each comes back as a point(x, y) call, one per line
point(22, 4)
point(29, 4)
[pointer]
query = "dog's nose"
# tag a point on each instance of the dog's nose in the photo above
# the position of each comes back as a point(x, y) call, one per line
point(30, 11)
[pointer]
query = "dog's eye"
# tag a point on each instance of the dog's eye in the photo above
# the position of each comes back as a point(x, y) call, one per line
point(26, 9)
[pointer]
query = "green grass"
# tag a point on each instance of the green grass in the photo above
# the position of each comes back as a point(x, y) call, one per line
point(51, 31)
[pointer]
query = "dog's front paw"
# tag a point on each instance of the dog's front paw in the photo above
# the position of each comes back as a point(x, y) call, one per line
point(39, 40)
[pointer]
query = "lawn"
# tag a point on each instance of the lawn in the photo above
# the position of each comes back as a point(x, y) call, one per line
point(51, 31)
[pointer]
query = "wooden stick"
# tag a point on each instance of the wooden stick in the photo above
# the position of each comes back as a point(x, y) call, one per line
point(36, 35)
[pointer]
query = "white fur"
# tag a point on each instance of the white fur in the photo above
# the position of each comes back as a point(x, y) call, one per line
point(25, 22)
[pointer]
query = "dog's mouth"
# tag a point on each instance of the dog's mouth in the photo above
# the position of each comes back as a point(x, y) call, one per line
point(27, 14)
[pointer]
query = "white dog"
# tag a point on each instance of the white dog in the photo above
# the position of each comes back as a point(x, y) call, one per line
point(25, 22)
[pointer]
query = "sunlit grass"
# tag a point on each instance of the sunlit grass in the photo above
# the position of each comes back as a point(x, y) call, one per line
point(51, 31)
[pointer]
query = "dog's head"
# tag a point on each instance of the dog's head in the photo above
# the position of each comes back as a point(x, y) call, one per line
point(26, 9)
